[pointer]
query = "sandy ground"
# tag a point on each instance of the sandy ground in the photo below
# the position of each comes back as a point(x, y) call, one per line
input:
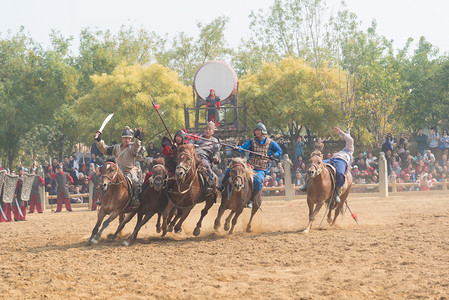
point(400, 251)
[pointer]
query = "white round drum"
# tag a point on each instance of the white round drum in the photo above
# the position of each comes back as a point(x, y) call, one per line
point(215, 75)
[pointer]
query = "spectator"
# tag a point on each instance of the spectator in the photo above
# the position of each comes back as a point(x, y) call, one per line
point(388, 143)
point(421, 141)
point(434, 138)
point(428, 155)
point(76, 191)
point(444, 141)
point(281, 185)
point(84, 189)
point(220, 176)
point(83, 164)
point(299, 148)
point(402, 147)
point(319, 145)
point(279, 170)
point(396, 168)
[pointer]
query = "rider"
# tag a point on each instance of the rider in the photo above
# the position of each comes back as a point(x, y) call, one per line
point(341, 160)
point(169, 150)
point(126, 155)
point(208, 150)
point(262, 145)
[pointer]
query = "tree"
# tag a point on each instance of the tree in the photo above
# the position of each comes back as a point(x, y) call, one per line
point(287, 95)
point(126, 93)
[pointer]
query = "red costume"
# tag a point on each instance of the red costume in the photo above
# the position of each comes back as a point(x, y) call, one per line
point(62, 179)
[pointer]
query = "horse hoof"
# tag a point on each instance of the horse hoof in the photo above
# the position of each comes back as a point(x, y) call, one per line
point(125, 243)
point(226, 227)
point(94, 241)
point(329, 220)
point(111, 237)
point(305, 231)
point(217, 225)
point(197, 231)
point(248, 229)
point(158, 229)
point(170, 228)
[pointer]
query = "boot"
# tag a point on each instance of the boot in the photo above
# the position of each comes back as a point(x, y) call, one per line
point(303, 188)
point(253, 195)
point(224, 182)
point(135, 202)
point(337, 194)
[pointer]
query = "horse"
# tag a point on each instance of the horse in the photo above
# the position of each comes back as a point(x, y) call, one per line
point(235, 199)
point(116, 196)
point(186, 191)
point(320, 189)
point(152, 200)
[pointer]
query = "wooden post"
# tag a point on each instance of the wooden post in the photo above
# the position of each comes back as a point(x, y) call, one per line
point(383, 177)
point(40, 172)
point(394, 188)
point(46, 199)
point(444, 184)
point(287, 164)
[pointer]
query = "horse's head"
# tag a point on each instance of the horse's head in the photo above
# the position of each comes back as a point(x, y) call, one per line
point(186, 161)
point(159, 177)
point(108, 175)
point(238, 172)
point(316, 164)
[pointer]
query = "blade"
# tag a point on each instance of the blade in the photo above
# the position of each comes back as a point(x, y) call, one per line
point(105, 122)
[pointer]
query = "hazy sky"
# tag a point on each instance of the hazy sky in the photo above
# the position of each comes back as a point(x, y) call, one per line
point(396, 19)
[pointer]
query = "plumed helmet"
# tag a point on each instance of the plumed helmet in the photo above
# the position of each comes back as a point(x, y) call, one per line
point(181, 134)
point(261, 127)
point(127, 132)
point(20, 169)
point(58, 166)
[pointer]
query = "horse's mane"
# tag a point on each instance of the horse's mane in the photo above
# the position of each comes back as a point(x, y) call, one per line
point(159, 161)
point(189, 148)
point(249, 172)
point(316, 153)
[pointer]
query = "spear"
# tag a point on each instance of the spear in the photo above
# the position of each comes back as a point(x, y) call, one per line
point(196, 137)
point(353, 215)
point(156, 107)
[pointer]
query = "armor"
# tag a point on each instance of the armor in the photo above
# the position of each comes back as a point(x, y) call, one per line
point(258, 162)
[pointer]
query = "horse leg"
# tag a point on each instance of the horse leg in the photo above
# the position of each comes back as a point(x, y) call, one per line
point(228, 221)
point(184, 214)
point(123, 222)
point(103, 227)
point(100, 217)
point(158, 224)
point(173, 222)
point(204, 212)
point(234, 220)
point(221, 211)
point(139, 225)
point(256, 205)
point(337, 211)
point(311, 217)
point(165, 217)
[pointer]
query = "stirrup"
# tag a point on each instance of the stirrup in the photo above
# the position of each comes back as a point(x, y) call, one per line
point(98, 202)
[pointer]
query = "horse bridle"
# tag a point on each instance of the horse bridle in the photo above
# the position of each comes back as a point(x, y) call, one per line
point(318, 170)
point(164, 180)
point(238, 176)
point(186, 170)
point(111, 180)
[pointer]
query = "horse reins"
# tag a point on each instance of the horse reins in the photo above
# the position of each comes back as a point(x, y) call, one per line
point(187, 170)
point(113, 177)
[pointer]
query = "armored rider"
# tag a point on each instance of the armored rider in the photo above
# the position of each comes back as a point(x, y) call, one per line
point(341, 161)
point(264, 146)
point(207, 150)
point(126, 154)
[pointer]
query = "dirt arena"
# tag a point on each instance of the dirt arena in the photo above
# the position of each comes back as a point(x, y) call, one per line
point(400, 251)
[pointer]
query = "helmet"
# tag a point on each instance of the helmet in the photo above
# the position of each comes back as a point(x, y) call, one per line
point(181, 134)
point(20, 169)
point(127, 132)
point(261, 127)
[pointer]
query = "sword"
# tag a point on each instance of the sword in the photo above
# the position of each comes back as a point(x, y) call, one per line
point(19, 208)
point(3, 214)
point(105, 122)
point(163, 122)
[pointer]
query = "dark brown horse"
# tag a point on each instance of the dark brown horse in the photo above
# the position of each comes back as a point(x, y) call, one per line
point(186, 191)
point(115, 198)
point(320, 190)
point(237, 194)
point(152, 200)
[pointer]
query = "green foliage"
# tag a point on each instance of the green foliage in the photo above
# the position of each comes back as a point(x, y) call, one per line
point(126, 93)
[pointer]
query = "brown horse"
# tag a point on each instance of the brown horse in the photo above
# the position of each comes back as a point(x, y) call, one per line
point(320, 189)
point(152, 200)
point(237, 194)
point(115, 198)
point(186, 191)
